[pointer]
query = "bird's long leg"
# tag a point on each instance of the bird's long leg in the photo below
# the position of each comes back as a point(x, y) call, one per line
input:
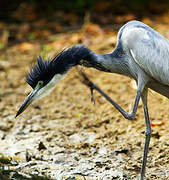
point(93, 86)
point(147, 133)
point(142, 92)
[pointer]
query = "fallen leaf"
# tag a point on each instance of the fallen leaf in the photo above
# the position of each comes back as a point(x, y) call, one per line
point(157, 123)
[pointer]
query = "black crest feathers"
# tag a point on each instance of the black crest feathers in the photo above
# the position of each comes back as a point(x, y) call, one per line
point(44, 70)
point(41, 71)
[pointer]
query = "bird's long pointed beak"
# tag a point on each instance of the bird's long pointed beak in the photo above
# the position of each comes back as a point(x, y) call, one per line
point(30, 98)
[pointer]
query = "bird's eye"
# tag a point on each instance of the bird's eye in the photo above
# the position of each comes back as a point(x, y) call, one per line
point(40, 83)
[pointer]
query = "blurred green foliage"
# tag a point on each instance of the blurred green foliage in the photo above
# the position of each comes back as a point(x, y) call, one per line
point(80, 6)
point(66, 4)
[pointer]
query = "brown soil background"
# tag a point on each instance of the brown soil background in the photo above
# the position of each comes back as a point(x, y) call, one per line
point(81, 140)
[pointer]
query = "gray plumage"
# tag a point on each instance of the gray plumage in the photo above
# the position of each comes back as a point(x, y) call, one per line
point(142, 54)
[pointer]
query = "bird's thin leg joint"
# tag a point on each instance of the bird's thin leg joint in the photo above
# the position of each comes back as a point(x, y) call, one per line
point(147, 141)
point(132, 115)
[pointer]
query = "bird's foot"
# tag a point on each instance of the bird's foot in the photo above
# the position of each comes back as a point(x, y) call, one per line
point(88, 83)
point(92, 95)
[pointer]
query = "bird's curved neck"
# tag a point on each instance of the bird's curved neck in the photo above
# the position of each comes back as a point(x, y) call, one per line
point(81, 55)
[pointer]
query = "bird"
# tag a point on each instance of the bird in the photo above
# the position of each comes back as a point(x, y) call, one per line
point(141, 53)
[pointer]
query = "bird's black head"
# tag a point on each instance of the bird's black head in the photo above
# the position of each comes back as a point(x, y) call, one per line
point(45, 70)
point(45, 74)
point(42, 71)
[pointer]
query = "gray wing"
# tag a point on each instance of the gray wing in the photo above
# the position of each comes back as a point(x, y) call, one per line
point(149, 49)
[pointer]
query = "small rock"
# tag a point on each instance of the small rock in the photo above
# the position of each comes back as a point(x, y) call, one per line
point(41, 146)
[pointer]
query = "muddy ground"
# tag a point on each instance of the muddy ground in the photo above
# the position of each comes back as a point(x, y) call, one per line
point(65, 136)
